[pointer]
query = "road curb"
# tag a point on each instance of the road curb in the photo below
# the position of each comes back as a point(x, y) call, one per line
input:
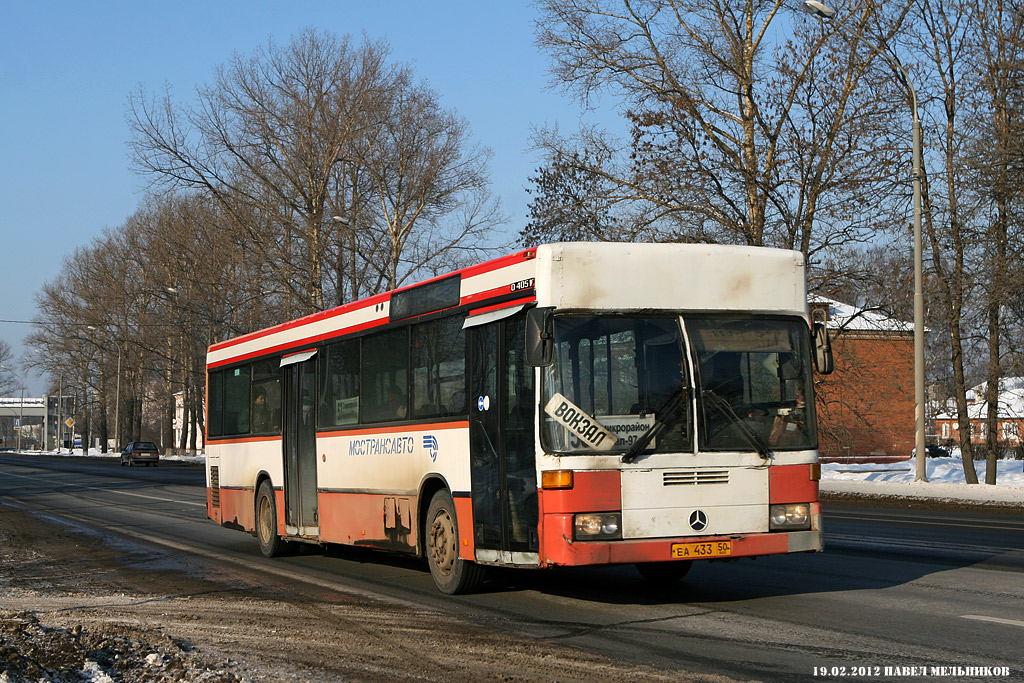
point(840, 499)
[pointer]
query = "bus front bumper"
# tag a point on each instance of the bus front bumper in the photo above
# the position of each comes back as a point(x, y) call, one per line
point(559, 548)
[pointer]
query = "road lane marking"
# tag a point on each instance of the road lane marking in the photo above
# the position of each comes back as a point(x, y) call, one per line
point(907, 544)
point(1009, 525)
point(123, 493)
point(995, 620)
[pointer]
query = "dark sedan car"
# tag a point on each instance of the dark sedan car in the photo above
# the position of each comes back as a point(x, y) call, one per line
point(140, 452)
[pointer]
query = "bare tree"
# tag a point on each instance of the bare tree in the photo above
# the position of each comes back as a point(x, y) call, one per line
point(8, 380)
point(999, 56)
point(968, 70)
point(263, 140)
point(736, 135)
point(293, 136)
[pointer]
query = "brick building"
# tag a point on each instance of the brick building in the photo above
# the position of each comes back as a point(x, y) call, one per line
point(866, 407)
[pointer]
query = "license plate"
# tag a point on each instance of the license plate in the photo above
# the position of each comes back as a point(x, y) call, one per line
point(695, 551)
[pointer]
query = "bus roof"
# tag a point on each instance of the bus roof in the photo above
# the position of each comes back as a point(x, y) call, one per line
point(684, 277)
point(570, 275)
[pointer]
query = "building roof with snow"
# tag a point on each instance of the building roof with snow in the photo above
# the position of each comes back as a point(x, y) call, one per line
point(846, 317)
point(1011, 401)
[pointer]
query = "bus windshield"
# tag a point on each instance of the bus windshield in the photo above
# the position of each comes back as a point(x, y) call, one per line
point(613, 379)
point(622, 372)
point(754, 381)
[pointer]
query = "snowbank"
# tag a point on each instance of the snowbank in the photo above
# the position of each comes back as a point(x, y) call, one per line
point(945, 480)
point(95, 453)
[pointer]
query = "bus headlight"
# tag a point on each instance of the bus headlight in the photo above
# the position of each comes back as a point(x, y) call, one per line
point(593, 526)
point(790, 517)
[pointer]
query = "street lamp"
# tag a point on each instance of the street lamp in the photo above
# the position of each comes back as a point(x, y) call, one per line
point(824, 12)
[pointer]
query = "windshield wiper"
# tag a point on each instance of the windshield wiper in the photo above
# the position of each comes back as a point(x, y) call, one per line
point(667, 418)
point(752, 437)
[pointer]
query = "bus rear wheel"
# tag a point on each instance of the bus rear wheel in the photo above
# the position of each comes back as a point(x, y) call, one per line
point(663, 573)
point(271, 545)
point(452, 574)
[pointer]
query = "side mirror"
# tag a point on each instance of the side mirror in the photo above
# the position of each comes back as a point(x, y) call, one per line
point(823, 362)
point(540, 338)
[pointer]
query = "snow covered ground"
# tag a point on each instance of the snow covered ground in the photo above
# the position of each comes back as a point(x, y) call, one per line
point(945, 479)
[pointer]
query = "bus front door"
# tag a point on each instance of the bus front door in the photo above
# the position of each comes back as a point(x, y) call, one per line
point(300, 449)
point(503, 469)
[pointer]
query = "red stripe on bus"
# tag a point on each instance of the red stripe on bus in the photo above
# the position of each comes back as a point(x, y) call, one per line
point(238, 507)
point(791, 484)
point(222, 441)
point(496, 264)
point(556, 551)
point(506, 304)
point(299, 342)
point(300, 322)
point(471, 271)
point(599, 491)
point(419, 426)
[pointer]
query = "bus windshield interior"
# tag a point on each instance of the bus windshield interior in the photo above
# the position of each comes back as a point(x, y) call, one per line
point(748, 388)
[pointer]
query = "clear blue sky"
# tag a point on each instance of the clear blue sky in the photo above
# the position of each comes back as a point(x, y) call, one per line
point(67, 67)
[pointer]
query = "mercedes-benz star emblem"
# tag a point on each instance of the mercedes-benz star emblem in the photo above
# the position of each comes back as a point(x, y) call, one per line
point(698, 520)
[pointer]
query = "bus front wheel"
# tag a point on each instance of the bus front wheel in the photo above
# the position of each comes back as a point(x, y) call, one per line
point(452, 574)
point(271, 545)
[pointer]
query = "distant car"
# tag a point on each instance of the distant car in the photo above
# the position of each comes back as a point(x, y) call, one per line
point(140, 452)
point(934, 451)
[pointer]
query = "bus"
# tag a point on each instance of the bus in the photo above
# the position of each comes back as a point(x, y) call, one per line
point(566, 405)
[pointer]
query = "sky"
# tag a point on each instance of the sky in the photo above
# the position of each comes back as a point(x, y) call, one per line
point(67, 68)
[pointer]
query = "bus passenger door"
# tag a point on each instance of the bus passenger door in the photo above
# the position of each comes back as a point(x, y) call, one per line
point(503, 463)
point(300, 485)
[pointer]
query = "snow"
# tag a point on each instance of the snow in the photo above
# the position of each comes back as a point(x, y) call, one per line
point(945, 480)
point(95, 453)
point(1010, 401)
point(846, 317)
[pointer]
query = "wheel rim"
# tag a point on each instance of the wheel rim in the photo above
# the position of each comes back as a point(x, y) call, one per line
point(266, 523)
point(442, 542)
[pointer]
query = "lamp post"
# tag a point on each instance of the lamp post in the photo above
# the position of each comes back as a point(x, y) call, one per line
point(60, 414)
point(61, 424)
point(117, 402)
point(824, 12)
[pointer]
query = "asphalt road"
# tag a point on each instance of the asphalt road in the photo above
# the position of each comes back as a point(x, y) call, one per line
point(894, 591)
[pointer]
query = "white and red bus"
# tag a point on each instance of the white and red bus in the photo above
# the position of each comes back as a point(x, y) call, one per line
point(572, 404)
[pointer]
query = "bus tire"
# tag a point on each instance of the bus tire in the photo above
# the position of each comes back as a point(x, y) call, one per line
point(663, 573)
point(271, 545)
point(452, 574)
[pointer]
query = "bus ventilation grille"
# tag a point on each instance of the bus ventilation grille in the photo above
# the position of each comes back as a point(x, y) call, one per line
point(215, 486)
point(695, 477)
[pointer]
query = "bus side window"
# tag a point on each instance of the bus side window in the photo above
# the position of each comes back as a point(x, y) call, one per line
point(438, 367)
point(384, 383)
point(215, 414)
point(339, 393)
point(265, 411)
point(236, 400)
